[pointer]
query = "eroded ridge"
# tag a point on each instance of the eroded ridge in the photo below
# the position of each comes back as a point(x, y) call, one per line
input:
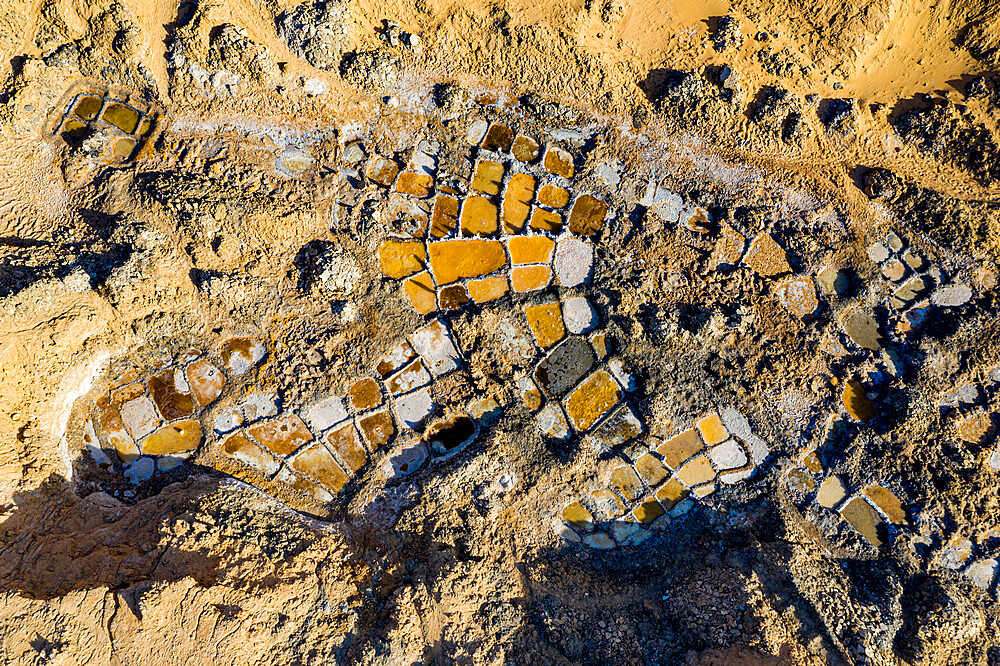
point(662, 481)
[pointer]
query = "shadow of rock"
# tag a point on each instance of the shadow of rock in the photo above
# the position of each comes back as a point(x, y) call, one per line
point(55, 542)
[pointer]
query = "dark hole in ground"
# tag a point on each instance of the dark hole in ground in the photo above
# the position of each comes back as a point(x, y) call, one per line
point(451, 434)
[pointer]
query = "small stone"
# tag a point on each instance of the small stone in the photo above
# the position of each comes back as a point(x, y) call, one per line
point(574, 261)
point(704, 490)
point(444, 216)
point(517, 202)
point(909, 291)
point(365, 394)
point(563, 531)
point(862, 517)
point(578, 315)
point(480, 217)
point(436, 347)
point(812, 462)
point(914, 319)
point(241, 354)
point(729, 248)
point(377, 429)
point(141, 469)
point(419, 291)
point(833, 281)
point(487, 289)
point(546, 323)
point(174, 438)
point(409, 378)
point(395, 358)
point(887, 503)
point(894, 242)
point(414, 184)
point(798, 295)
point(955, 555)
point(952, 296)
point(621, 426)
point(625, 480)
point(682, 508)
point(976, 428)
point(982, 573)
point(498, 138)
point(404, 460)
point(894, 270)
point(545, 220)
point(856, 401)
point(530, 395)
point(592, 399)
point(282, 436)
point(651, 470)
point(239, 446)
point(728, 455)
point(697, 471)
point(413, 408)
point(476, 132)
point(732, 478)
point(487, 177)
point(599, 343)
point(766, 258)
point(623, 376)
point(862, 328)
point(454, 260)
point(800, 480)
point(737, 424)
point(647, 511)
point(576, 516)
point(400, 259)
point(599, 541)
point(831, 492)
point(587, 216)
point(676, 450)
point(553, 196)
point(205, 380)
point(671, 494)
point(353, 153)
point(525, 279)
point(552, 423)
point(878, 253)
point(525, 149)
point(558, 162)
point(530, 249)
point(140, 417)
point(913, 259)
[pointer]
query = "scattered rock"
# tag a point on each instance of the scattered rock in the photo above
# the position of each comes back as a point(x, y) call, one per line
point(856, 401)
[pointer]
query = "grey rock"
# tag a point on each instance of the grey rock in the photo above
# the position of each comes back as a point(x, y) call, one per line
point(574, 261)
point(564, 366)
point(860, 325)
point(404, 460)
point(579, 315)
point(952, 296)
point(552, 423)
point(141, 469)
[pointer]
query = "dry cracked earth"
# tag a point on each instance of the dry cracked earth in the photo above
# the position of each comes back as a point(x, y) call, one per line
point(593, 332)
